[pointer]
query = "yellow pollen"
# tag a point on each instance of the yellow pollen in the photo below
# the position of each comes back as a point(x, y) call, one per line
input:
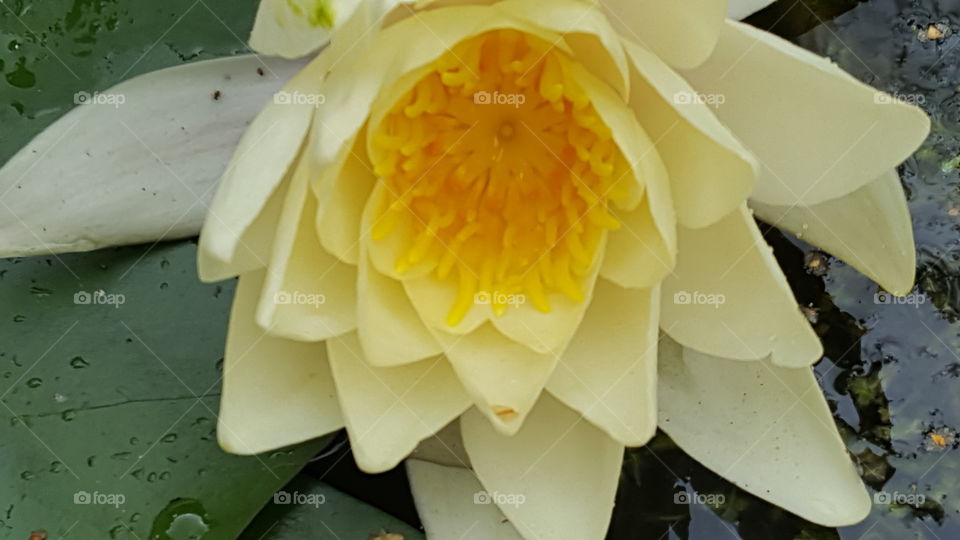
point(500, 173)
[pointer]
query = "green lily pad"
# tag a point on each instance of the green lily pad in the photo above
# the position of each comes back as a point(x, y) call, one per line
point(109, 381)
point(309, 508)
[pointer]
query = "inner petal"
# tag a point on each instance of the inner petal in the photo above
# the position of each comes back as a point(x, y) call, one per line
point(502, 173)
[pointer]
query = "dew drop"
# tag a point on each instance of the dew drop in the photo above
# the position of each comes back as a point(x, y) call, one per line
point(169, 438)
point(68, 415)
point(34, 382)
point(78, 362)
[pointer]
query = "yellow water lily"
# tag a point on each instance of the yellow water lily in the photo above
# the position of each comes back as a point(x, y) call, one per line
point(533, 221)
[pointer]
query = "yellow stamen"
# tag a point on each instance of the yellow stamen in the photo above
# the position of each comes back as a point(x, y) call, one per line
point(503, 172)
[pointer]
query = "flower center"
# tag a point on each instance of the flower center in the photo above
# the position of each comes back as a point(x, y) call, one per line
point(501, 170)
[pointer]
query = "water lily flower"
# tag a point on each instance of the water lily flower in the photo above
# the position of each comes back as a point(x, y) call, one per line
point(532, 221)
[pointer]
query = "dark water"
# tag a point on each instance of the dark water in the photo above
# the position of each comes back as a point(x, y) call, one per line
point(891, 372)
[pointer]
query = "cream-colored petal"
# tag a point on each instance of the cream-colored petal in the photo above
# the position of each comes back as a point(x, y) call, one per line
point(637, 255)
point(296, 28)
point(339, 218)
point(276, 392)
point(728, 297)
point(133, 163)
point(452, 504)
point(741, 9)
point(555, 479)
point(587, 32)
point(503, 377)
point(682, 32)
point(639, 151)
point(870, 229)
point(259, 164)
point(710, 172)
point(609, 372)
point(388, 410)
point(388, 327)
point(817, 132)
point(765, 428)
point(309, 295)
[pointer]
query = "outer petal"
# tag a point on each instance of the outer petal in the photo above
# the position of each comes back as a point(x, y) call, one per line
point(388, 327)
point(275, 392)
point(452, 504)
point(503, 377)
point(259, 164)
point(309, 295)
point(609, 372)
point(869, 228)
point(710, 172)
point(565, 469)
point(741, 9)
point(682, 32)
point(784, 102)
point(283, 28)
point(728, 297)
point(389, 410)
point(765, 428)
point(136, 171)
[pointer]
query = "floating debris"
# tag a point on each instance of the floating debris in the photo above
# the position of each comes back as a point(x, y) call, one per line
point(816, 263)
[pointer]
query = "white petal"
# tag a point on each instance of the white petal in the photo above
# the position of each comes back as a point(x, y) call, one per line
point(765, 428)
point(503, 377)
point(609, 372)
point(339, 222)
point(637, 255)
point(452, 504)
point(389, 329)
point(560, 472)
point(276, 392)
point(710, 172)
point(817, 132)
point(728, 297)
point(870, 229)
point(309, 295)
point(388, 410)
point(741, 9)
point(682, 32)
point(281, 31)
point(259, 164)
point(110, 173)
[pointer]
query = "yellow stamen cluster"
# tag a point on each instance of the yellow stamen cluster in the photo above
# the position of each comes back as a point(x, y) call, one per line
point(502, 171)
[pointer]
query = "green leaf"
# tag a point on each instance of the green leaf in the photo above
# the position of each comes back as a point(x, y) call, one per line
point(309, 508)
point(109, 383)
